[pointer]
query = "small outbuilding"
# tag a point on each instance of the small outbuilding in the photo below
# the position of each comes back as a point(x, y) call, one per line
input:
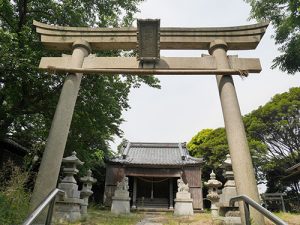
point(153, 170)
point(11, 151)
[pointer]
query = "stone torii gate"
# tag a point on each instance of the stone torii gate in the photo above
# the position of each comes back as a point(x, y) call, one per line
point(149, 38)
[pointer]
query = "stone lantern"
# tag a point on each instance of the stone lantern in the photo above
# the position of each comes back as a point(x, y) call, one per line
point(230, 214)
point(213, 195)
point(68, 209)
point(86, 191)
point(228, 172)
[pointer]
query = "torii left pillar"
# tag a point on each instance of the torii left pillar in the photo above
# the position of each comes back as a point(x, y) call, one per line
point(52, 157)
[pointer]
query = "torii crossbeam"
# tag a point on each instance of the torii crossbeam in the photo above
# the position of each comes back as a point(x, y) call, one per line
point(148, 38)
point(236, 38)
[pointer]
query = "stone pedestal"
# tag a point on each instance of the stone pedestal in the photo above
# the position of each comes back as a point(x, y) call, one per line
point(121, 199)
point(183, 201)
point(68, 210)
point(120, 205)
point(183, 207)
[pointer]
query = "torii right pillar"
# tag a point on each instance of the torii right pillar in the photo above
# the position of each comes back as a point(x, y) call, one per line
point(235, 131)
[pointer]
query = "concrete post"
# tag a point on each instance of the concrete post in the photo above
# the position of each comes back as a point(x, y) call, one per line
point(52, 157)
point(235, 131)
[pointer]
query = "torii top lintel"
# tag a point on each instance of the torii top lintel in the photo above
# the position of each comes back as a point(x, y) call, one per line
point(237, 38)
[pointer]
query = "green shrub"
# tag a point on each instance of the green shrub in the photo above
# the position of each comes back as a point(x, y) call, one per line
point(14, 199)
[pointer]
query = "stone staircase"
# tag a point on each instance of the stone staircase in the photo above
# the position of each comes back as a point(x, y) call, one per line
point(155, 203)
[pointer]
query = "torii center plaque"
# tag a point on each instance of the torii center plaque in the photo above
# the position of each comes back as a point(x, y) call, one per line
point(148, 39)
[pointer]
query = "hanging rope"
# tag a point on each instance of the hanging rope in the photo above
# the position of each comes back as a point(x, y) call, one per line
point(152, 181)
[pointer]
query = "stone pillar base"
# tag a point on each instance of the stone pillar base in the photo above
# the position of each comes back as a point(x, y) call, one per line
point(61, 217)
point(67, 213)
point(183, 207)
point(120, 205)
point(68, 210)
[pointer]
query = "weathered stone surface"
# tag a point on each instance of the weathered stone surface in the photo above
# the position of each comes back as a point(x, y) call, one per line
point(121, 200)
point(148, 40)
point(86, 191)
point(229, 190)
point(183, 201)
point(183, 207)
point(235, 131)
point(213, 195)
point(120, 206)
point(52, 157)
point(69, 208)
point(70, 189)
point(183, 195)
point(252, 65)
point(232, 220)
point(238, 38)
point(121, 194)
point(227, 194)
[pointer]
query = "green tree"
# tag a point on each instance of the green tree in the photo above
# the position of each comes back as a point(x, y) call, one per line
point(285, 17)
point(28, 97)
point(213, 147)
point(273, 136)
point(277, 125)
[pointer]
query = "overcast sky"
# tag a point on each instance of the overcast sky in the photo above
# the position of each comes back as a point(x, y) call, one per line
point(186, 104)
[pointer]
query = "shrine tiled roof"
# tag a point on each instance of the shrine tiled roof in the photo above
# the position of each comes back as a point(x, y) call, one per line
point(156, 154)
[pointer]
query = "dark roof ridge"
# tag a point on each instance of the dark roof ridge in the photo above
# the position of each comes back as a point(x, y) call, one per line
point(14, 146)
point(155, 154)
point(155, 144)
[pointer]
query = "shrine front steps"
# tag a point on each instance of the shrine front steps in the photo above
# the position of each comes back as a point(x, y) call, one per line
point(155, 203)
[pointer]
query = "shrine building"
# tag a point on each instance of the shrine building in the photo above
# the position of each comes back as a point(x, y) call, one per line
point(153, 170)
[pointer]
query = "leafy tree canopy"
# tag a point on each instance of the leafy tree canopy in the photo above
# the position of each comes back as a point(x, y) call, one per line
point(277, 125)
point(273, 135)
point(212, 146)
point(28, 97)
point(285, 17)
